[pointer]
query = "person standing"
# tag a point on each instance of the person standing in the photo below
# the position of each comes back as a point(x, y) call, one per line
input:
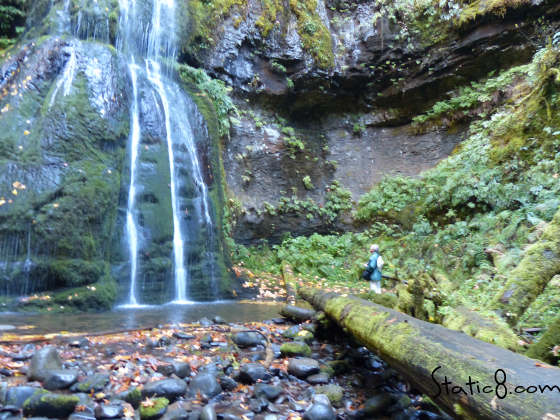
point(375, 263)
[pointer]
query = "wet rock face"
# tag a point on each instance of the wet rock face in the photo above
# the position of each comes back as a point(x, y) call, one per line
point(255, 48)
point(352, 115)
point(262, 169)
point(64, 128)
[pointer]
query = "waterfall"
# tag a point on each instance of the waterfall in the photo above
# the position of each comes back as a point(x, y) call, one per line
point(131, 229)
point(153, 48)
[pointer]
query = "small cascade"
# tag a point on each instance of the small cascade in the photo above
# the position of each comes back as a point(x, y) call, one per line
point(67, 77)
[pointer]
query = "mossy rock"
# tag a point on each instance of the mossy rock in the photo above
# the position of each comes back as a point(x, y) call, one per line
point(339, 366)
point(292, 332)
point(155, 410)
point(132, 396)
point(45, 404)
point(305, 335)
point(335, 393)
point(328, 370)
point(295, 349)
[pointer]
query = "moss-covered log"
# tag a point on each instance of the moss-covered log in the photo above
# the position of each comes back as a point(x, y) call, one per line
point(540, 263)
point(429, 354)
point(547, 347)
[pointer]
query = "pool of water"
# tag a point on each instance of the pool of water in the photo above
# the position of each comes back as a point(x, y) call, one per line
point(136, 318)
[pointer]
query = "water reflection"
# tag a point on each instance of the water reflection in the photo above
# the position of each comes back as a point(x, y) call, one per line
point(125, 318)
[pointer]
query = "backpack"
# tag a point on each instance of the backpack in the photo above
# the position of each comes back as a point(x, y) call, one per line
point(366, 274)
point(380, 263)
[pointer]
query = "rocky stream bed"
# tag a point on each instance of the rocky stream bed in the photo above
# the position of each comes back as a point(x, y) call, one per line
point(211, 369)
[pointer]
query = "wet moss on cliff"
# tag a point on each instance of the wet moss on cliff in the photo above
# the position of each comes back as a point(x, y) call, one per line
point(315, 36)
point(204, 20)
point(212, 99)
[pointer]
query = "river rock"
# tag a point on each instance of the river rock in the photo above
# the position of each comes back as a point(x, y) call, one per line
point(270, 392)
point(208, 413)
point(205, 384)
point(227, 383)
point(205, 322)
point(48, 404)
point(320, 378)
point(16, 396)
point(60, 379)
point(183, 336)
point(319, 411)
point(133, 396)
point(42, 361)
point(165, 369)
point(182, 369)
point(109, 411)
point(377, 404)
point(303, 367)
point(80, 343)
point(167, 388)
point(252, 372)
point(246, 339)
point(219, 320)
point(179, 410)
point(81, 416)
point(256, 405)
point(291, 332)
point(93, 383)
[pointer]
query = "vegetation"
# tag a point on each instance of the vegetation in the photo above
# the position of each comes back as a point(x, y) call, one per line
point(315, 36)
point(12, 21)
point(453, 236)
point(216, 90)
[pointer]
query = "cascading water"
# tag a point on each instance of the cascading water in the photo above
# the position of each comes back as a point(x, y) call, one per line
point(148, 44)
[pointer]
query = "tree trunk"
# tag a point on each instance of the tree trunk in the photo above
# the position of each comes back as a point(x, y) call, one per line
point(427, 354)
point(548, 346)
point(539, 264)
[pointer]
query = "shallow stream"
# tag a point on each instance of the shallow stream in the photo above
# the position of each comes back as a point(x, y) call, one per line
point(136, 318)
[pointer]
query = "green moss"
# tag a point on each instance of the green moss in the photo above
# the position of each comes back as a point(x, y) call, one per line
point(328, 370)
point(478, 8)
point(546, 348)
point(489, 328)
point(204, 18)
point(50, 404)
point(295, 349)
point(389, 300)
point(315, 36)
point(154, 411)
point(133, 397)
point(76, 272)
point(339, 367)
point(334, 393)
point(267, 20)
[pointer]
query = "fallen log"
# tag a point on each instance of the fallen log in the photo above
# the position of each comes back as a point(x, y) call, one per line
point(469, 378)
point(296, 313)
point(540, 263)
